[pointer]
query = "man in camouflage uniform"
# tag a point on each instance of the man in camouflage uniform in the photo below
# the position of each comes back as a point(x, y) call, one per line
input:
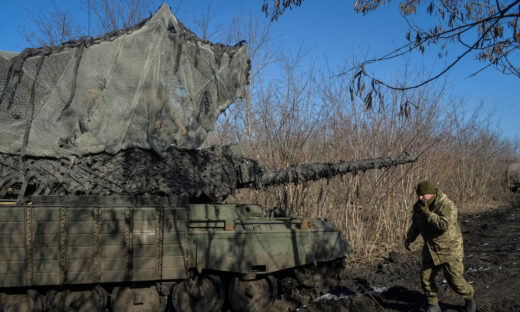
point(435, 218)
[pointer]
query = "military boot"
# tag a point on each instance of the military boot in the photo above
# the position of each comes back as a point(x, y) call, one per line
point(433, 308)
point(471, 306)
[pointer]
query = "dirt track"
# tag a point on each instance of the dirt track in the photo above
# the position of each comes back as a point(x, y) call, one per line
point(492, 266)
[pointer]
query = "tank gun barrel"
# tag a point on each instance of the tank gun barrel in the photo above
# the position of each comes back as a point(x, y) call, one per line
point(316, 171)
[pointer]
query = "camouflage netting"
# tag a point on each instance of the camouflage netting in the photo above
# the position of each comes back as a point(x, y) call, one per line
point(125, 114)
point(152, 86)
point(209, 174)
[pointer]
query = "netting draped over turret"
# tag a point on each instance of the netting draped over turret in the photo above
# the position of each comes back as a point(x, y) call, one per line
point(126, 113)
point(149, 87)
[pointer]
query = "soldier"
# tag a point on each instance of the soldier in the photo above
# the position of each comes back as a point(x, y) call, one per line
point(435, 218)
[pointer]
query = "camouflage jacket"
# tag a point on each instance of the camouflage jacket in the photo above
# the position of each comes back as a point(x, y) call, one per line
point(439, 229)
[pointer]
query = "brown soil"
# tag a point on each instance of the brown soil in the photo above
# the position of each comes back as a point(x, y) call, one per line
point(492, 266)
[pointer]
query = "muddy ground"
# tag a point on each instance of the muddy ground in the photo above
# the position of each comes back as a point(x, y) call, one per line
point(492, 266)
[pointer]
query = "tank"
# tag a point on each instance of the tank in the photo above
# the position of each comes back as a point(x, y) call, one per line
point(147, 253)
point(109, 202)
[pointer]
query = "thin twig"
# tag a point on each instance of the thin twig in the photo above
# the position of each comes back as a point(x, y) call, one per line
point(496, 17)
point(372, 297)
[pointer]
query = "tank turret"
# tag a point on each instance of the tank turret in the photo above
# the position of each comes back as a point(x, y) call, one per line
point(200, 174)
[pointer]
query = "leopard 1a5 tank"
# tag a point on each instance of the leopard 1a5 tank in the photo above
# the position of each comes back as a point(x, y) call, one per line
point(109, 203)
point(63, 253)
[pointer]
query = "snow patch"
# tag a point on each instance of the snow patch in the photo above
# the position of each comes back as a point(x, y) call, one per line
point(328, 296)
point(479, 269)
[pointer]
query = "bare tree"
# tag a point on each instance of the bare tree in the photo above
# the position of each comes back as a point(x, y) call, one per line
point(258, 35)
point(52, 27)
point(56, 25)
point(112, 15)
point(202, 23)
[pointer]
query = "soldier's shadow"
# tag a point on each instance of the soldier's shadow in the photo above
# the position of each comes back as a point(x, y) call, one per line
point(400, 298)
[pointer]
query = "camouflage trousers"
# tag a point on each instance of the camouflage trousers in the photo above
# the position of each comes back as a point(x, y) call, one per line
point(453, 271)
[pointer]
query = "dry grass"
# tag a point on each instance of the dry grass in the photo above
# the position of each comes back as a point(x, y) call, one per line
point(304, 117)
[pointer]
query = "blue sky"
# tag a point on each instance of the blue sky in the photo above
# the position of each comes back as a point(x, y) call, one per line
point(330, 34)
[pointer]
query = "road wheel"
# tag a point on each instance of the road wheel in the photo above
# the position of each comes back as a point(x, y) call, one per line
point(30, 302)
point(204, 293)
point(309, 276)
point(126, 299)
point(81, 301)
point(256, 295)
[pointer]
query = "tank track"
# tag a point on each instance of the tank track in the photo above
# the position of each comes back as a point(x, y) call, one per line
point(202, 292)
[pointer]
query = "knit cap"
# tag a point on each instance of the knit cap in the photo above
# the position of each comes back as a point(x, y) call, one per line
point(425, 187)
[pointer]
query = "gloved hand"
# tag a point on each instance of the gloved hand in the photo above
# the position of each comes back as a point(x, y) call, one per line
point(422, 207)
point(407, 245)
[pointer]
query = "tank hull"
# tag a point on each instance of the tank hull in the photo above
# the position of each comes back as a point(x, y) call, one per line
point(73, 243)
